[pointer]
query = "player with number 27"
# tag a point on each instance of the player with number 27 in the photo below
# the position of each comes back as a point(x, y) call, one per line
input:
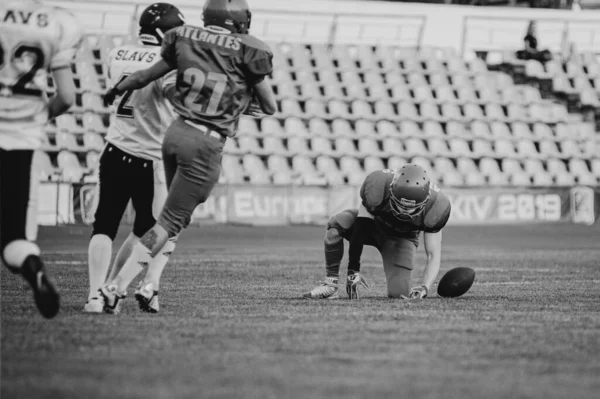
point(221, 72)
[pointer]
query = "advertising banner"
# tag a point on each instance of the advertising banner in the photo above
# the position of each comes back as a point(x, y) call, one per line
point(283, 205)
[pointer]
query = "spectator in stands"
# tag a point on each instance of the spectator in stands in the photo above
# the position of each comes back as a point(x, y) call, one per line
point(531, 52)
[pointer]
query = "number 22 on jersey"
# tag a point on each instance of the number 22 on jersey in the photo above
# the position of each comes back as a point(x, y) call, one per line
point(125, 110)
point(26, 59)
point(195, 96)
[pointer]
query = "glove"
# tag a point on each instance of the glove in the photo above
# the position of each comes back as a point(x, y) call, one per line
point(419, 292)
point(354, 281)
point(254, 110)
point(110, 96)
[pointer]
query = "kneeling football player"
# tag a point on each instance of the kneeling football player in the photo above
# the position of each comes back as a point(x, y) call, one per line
point(396, 206)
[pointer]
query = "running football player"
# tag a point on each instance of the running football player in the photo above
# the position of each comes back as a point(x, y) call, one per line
point(396, 206)
point(221, 72)
point(130, 165)
point(34, 39)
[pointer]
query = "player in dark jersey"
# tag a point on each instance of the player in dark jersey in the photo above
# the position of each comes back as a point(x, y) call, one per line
point(396, 206)
point(221, 72)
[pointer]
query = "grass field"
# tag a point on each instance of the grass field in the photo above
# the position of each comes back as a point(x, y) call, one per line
point(232, 324)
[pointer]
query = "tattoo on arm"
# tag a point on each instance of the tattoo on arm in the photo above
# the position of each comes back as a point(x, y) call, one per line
point(149, 239)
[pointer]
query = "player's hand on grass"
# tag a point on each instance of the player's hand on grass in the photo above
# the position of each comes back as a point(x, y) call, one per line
point(419, 292)
point(353, 283)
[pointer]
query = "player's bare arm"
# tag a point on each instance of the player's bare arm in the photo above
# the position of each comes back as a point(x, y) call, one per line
point(138, 79)
point(433, 251)
point(65, 92)
point(266, 98)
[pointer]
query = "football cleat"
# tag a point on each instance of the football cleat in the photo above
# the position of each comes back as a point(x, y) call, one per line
point(45, 295)
point(147, 298)
point(112, 300)
point(94, 305)
point(328, 289)
point(353, 282)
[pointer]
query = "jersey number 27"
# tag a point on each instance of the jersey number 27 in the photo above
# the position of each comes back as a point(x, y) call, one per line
point(194, 98)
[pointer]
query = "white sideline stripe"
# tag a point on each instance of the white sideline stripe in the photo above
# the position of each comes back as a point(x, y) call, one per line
point(67, 262)
point(530, 282)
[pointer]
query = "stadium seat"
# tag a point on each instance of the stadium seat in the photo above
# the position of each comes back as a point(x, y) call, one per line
point(482, 148)
point(384, 110)
point(473, 112)
point(373, 163)
point(318, 127)
point(505, 148)
point(255, 169)
point(93, 142)
point(396, 162)
point(432, 129)
point(92, 102)
point(295, 127)
point(481, 129)
point(407, 111)
point(249, 145)
point(500, 130)
point(345, 146)
point(321, 146)
point(452, 112)
point(556, 166)
point(564, 179)
point(548, 149)
point(387, 128)
point(415, 147)
point(459, 147)
point(338, 109)
point(392, 146)
point(92, 123)
point(474, 179)
point(248, 126)
point(441, 164)
point(67, 141)
point(438, 147)
point(290, 107)
point(271, 125)
point(520, 180)
point(361, 109)
point(489, 166)
point(455, 129)
point(298, 145)
point(541, 179)
point(542, 132)
point(521, 130)
point(526, 149)
point(232, 169)
point(369, 146)
point(274, 146)
point(365, 128)
point(231, 147)
point(497, 179)
point(430, 112)
point(570, 149)
point(445, 94)
point(342, 128)
point(409, 129)
point(42, 165)
point(452, 179)
point(494, 112)
point(465, 165)
point(578, 167)
point(71, 169)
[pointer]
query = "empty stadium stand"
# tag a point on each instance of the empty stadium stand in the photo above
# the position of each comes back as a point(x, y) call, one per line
point(348, 109)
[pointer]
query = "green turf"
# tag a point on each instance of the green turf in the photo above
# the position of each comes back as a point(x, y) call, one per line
point(232, 324)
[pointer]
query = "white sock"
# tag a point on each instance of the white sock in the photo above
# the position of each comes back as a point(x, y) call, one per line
point(99, 254)
point(122, 256)
point(140, 258)
point(159, 262)
point(17, 251)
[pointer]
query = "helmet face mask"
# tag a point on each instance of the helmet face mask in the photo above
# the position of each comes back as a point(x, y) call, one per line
point(409, 191)
point(156, 20)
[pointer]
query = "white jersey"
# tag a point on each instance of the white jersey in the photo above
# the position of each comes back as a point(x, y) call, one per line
point(34, 39)
point(141, 116)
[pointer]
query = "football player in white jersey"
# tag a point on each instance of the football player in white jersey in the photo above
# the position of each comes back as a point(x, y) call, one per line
point(131, 163)
point(34, 40)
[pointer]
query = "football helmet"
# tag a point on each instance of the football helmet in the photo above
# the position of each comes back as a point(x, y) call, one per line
point(233, 15)
point(409, 191)
point(156, 20)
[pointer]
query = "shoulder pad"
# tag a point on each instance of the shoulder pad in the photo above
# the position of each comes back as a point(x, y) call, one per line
point(374, 189)
point(437, 215)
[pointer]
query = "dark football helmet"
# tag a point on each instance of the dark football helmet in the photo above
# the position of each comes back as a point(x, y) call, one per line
point(409, 191)
point(156, 20)
point(233, 15)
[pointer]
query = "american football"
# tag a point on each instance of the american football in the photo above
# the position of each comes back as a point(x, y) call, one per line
point(456, 282)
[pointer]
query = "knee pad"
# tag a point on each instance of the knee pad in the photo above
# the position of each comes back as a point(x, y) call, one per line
point(332, 236)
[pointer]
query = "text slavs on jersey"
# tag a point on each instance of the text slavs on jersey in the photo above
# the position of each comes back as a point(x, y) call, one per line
point(216, 71)
point(141, 116)
point(34, 39)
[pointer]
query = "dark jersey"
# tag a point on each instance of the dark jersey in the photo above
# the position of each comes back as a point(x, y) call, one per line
point(216, 71)
point(375, 195)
